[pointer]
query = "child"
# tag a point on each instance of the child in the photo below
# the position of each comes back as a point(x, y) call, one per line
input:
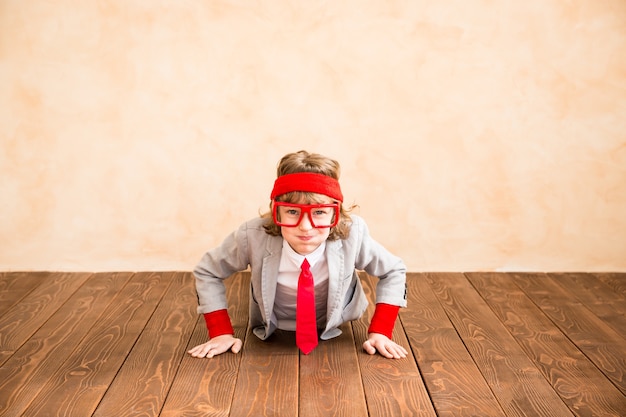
point(303, 256)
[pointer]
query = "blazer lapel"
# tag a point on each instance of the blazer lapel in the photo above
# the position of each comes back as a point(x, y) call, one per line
point(335, 260)
point(269, 276)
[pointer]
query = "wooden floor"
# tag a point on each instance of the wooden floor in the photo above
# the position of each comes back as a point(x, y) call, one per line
point(481, 344)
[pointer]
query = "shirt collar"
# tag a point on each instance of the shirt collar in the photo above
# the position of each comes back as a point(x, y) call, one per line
point(297, 259)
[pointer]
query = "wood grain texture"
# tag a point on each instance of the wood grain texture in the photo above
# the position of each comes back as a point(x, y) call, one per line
point(455, 384)
point(517, 384)
point(599, 342)
point(481, 344)
point(21, 321)
point(78, 385)
point(205, 387)
point(330, 381)
point(392, 387)
point(38, 359)
point(142, 383)
point(615, 280)
point(14, 286)
point(577, 381)
point(268, 383)
point(598, 297)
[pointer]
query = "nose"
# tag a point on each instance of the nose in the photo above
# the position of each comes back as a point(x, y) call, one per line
point(305, 223)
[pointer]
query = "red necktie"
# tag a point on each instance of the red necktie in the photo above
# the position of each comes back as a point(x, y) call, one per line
point(306, 324)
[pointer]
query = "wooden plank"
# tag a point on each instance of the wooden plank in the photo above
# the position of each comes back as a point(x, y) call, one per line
point(144, 380)
point(267, 384)
point(456, 386)
point(598, 297)
point(603, 345)
point(615, 280)
point(208, 384)
point(518, 385)
point(14, 286)
point(330, 382)
point(78, 385)
point(393, 387)
point(21, 376)
point(579, 383)
point(204, 387)
point(20, 322)
point(267, 381)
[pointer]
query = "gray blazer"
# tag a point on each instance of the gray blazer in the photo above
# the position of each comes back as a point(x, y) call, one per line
point(250, 246)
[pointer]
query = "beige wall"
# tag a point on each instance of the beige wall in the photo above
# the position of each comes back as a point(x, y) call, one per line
point(474, 135)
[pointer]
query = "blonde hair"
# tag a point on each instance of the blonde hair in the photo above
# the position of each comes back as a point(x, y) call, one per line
point(303, 161)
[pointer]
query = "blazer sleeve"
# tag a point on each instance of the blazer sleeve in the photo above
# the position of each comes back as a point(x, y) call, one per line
point(230, 256)
point(376, 260)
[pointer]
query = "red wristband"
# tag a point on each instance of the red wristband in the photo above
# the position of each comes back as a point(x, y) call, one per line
point(384, 319)
point(218, 323)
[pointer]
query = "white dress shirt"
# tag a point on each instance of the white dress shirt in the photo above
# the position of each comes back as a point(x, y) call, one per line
point(287, 288)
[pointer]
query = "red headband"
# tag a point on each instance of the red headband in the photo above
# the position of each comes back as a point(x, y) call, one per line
point(309, 182)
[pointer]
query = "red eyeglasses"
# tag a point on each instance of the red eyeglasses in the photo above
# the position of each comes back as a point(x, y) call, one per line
point(320, 215)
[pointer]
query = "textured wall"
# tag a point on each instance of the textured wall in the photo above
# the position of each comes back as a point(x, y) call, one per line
point(474, 135)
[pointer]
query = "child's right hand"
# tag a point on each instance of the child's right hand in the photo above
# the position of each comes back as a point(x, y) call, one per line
point(216, 346)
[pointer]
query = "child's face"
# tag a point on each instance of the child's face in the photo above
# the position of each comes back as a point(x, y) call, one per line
point(304, 238)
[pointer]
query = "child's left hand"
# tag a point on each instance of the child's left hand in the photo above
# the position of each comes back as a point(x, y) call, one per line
point(385, 346)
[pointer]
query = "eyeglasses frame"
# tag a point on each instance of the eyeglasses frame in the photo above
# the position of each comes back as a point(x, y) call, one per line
point(305, 208)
